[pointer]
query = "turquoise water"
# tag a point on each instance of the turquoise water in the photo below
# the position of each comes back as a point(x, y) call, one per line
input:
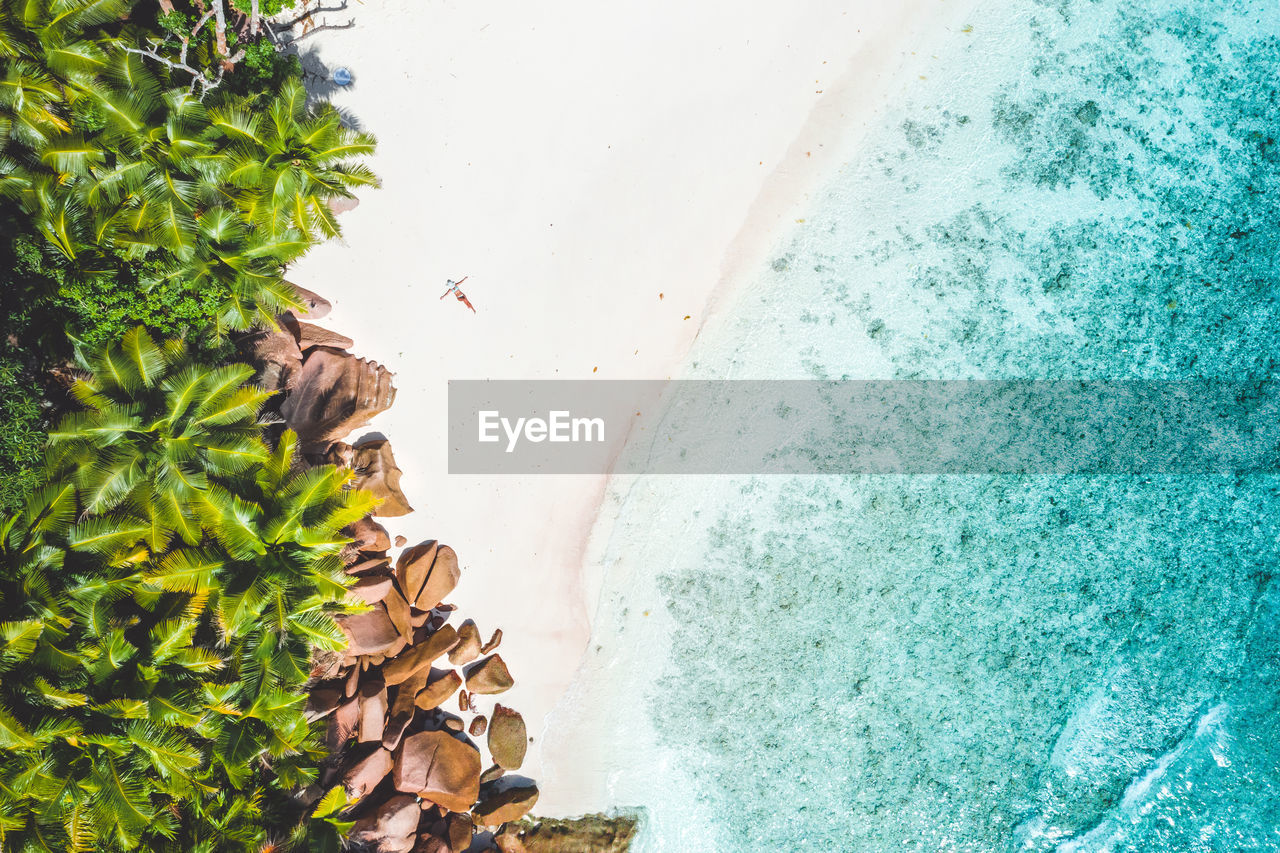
point(1092, 190)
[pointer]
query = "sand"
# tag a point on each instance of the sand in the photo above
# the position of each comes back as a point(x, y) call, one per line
point(603, 173)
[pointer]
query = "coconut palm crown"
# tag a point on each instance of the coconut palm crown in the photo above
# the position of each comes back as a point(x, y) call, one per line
point(115, 165)
point(162, 596)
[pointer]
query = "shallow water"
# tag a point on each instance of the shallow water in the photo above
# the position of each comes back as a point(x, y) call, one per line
point(978, 663)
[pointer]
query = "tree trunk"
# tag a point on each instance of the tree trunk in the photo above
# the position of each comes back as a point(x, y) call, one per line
point(220, 31)
point(166, 6)
point(254, 20)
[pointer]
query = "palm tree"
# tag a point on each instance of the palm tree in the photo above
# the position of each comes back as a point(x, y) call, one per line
point(151, 668)
point(158, 431)
point(222, 200)
point(245, 266)
point(288, 161)
point(51, 56)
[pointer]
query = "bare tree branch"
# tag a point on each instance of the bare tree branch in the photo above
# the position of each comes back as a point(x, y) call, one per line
point(348, 25)
point(308, 13)
point(198, 78)
point(215, 10)
point(201, 23)
point(186, 41)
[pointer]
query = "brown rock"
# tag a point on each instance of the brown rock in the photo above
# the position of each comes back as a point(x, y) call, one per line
point(376, 472)
point(321, 701)
point(316, 336)
point(275, 356)
point(459, 829)
point(468, 648)
point(367, 773)
point(314, 306)
point(401, 541)
point(392, 827)
point(353, 680)
point(428, 843)
point(464, 701)
point(412, 567)
point(494, 642)
point(339, 454)
point(489, 676)
point(325, 665)
point(438, 768)
point(441, 579)
point(369, 566)
point(498, 807)
point(373, 711)
point(370, 589)
point(408, 690)
point(397, 724)
point(343, 724)
point(438, 691)
point(396, 648)
point(453, 724)
point(368, 633)
point(590, 834)
point(420, 656)
point(493, 774)
point(341, 204)
point(398, 610)
point(368, 535)
point(335, 393)
point(478, 726)
point(508, 738)
point(508, 841)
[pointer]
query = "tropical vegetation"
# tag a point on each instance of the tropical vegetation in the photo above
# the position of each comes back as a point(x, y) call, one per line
point(168, 567)
point(163, 593)
point(131, 196)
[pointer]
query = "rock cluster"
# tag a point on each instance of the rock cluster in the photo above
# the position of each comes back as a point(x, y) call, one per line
point(590, 834)
point(391, 724)
point(410, 763)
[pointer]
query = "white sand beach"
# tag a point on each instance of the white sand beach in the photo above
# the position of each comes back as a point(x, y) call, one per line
point(602, 173)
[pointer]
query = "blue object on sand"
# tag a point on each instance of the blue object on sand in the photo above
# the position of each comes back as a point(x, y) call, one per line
point(342, 76)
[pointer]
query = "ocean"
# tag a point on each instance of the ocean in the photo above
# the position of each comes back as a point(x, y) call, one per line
point(952, 662)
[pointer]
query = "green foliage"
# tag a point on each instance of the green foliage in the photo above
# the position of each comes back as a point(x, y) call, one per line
point(288, 161)
point(263, 69)
point(266, 7)
point(176, 23)
point(21, 435)
point(160, 598)
point(124, 203)
point(44, 311)
point(123, 178)
point(95, 310)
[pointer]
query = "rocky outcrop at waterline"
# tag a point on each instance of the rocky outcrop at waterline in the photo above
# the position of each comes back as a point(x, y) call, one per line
point(590, 834)
point(401, 744)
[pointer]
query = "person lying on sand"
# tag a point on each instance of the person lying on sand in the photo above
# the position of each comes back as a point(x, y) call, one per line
point(462, 297)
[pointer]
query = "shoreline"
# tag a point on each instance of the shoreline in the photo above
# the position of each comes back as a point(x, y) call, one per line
point(635, 220)
point(828, 140)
